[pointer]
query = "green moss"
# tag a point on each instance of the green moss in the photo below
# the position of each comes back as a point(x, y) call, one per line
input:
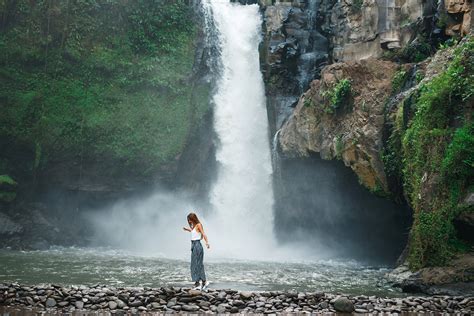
point(7, 187)
point(419, 75)
point(6, 179)
point(99, 79)
point(399, 80)
point(338, 95)
point(437, 156)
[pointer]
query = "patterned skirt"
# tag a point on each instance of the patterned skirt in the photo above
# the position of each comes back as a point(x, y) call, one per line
point(197, 265)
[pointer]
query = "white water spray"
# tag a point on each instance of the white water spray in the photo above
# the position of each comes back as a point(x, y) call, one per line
point(240, 223)
point(242, 197)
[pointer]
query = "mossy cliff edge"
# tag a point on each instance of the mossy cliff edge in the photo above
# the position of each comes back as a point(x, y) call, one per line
point(99, 100)
point(97, 90)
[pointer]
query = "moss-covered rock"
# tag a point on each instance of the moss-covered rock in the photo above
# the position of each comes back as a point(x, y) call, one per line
point(98, 83)
point(7, 188)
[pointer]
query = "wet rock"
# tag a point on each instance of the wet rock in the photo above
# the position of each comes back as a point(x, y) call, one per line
point(113, 305)
point(190, 308)
point(29, 300)
point(343, 305)
point(246, 295)
point(50, 302)
point(135, 303)
point(221, 309)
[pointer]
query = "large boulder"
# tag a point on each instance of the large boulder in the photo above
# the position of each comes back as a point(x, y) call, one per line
point(343, 305)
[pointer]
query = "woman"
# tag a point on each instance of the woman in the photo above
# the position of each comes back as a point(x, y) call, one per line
point(197, 253)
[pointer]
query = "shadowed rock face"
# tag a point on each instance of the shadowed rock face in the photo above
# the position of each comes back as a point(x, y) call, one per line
point(322, 203)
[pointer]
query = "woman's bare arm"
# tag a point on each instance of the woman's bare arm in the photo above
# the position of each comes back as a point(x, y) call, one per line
point(204, 236)
point(187, 229)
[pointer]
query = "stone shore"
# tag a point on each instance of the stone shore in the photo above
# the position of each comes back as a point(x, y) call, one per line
point(53, 298)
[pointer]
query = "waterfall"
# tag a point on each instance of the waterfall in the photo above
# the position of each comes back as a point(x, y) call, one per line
point(241, 225)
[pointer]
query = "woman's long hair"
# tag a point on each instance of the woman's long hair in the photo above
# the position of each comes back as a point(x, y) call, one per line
point(193, 220)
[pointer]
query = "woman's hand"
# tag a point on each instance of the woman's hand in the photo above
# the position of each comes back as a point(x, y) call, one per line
point(207, 245)
point(186, 229)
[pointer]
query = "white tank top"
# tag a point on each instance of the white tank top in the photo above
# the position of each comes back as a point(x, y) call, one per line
point(195, 235)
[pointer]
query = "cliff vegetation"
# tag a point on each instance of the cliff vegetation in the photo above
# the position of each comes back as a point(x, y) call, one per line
point(432, 150)
point(96, 80)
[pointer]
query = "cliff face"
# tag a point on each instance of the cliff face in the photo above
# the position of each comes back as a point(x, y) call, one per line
point(301, 37)
point(351, 132)
point(366, 28)
point(382, 108)
point(292, 54)
point(99, 101)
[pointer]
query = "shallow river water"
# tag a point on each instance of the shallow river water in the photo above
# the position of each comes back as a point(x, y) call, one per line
point(76, 266)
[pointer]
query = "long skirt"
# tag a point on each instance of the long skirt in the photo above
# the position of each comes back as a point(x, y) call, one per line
point(197, 265)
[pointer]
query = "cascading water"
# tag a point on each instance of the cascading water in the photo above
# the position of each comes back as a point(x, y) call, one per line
point(242, 196)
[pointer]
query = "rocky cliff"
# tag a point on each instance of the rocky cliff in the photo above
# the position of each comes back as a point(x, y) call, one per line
point(394, 112)
point(351, 131)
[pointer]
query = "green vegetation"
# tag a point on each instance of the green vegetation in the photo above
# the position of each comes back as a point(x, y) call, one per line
point(399, 80)
point(338, 95)
point(99, 79)
point(419, 75)
point(434, 155)
point(7, 186)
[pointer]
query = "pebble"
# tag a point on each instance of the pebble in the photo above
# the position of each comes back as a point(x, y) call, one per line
point(122, 301)
point(50, 302)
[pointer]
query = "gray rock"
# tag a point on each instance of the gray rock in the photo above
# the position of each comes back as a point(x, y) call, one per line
point(63, 304)
point(155, 305)
point(29, 300)
point(246, 295)
point(79, 304)
point(8, 226)
point(50, 302)
point(190, 308)
point(221, 309)
point(112, 305)
point(135, 303)
point(361, 310)
point(171, 303)
point(343, 305)
point(238, 303)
